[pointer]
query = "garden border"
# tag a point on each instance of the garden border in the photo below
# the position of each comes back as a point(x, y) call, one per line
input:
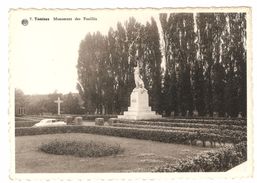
point(167, 136)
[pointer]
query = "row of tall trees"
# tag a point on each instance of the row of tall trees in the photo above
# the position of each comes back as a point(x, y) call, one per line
point(205, 58)
point(106, 65)
point(201, 65)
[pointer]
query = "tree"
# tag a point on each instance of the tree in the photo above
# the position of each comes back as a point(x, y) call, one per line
point(86, 68)
point(71, 105)
point(50, 105)
point(217, 69)
point(179, 49)
point(20, 102)
point(91, 71)
point(152, 59)
point(37, 104)
point(169, 89)
point(204, 64)
point(124, 68)
point(205, 22)
point(198, 87)
point(234, 57)
point(218, 85)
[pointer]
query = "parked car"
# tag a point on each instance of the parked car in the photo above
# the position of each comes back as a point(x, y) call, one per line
point(50, 122)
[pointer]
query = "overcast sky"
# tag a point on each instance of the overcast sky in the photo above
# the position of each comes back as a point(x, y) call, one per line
point(44, 53)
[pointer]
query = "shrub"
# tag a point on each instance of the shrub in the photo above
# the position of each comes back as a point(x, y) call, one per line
point(221, 159)
point(81, 149)
point(183, 123)
point(168, 136)
point(238, 122)
point(99, 121)
point(25, 123)
point(92, 117)
point(203, 130)
point(204, 118)
point(20, 119)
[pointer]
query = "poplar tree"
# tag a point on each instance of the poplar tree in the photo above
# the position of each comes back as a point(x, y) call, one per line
point(204, 64)
point(205, 22)
point(152, 63)
point(169, 89)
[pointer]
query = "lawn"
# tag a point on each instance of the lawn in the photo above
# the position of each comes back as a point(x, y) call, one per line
point(139, 155)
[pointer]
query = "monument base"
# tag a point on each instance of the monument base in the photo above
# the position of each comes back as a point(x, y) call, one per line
point(139, 106)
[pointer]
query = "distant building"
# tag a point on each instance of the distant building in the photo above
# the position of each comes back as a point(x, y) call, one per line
point(20, 111)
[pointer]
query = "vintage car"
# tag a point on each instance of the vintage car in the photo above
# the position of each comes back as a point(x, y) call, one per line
point(50, 122)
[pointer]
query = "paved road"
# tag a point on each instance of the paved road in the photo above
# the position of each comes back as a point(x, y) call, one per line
point(88, 123)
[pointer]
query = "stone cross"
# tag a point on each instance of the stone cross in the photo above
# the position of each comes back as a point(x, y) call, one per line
point(58, 101)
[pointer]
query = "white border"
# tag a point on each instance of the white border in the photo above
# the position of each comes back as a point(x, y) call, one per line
point(89, 4)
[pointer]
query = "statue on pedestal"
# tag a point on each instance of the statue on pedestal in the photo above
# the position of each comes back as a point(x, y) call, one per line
point(138, 78)
point(139, 108)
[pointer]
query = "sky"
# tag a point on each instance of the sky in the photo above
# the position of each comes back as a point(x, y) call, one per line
point(44, 53)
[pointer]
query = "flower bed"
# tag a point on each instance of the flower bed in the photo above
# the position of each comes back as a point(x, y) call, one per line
point(81, 148)
point(220, 160)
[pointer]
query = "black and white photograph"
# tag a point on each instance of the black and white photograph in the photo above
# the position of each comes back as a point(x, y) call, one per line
point(146, 91)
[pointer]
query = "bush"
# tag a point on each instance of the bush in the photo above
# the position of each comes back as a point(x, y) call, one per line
point(99, 121)
point(25, 123)
point(220, 160)
point(20, 119)
point(168, 136)
point(232, 134)
point(93, 117)
point(81, 149)
point(238, 122)
point(183, 128)
point(183, 123)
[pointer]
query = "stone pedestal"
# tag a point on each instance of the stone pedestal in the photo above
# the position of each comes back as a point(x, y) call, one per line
point(139, 106)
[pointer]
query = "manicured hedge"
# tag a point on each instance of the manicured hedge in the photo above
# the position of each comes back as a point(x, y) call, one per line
point(204, 132)
point(239, 122)
point(235, 134)
point(204, 117)
point(180, 124)
point(218, 160)
point(93, 117)
point(181, 137)
point(25, 123)
point(21, 119)
point(27, 118)
point(81, 148)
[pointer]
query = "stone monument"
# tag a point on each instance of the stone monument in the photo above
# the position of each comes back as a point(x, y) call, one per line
point(139, 101)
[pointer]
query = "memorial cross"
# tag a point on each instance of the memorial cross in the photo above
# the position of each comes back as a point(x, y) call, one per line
point(58, 101)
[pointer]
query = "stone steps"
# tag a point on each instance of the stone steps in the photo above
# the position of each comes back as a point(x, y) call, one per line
point(135, 115)
point(139, 108)
point(142, 109)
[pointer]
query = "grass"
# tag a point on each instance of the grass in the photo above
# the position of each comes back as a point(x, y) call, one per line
point(139, 155)
point(81, 148)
